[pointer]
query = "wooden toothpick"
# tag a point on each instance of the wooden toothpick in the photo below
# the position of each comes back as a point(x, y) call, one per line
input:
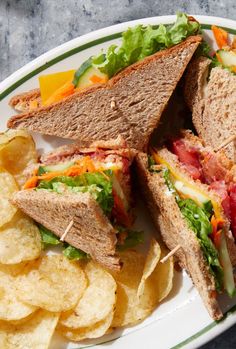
point(69, 226)
point(226, 142)
point(171, 253)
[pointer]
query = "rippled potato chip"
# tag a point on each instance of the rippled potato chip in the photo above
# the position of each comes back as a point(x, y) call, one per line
point(17, 152)
point(162, 279)
point(8, 187)
point(35, 334)
point(97, 301)
point(10, 307)
point(19, 240)
point(152, 259)
point(53, 283)
point(95, 331)
point(128, 280)
point(135, 302)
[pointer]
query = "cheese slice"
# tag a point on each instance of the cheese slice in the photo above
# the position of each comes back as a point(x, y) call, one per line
point(188, 189)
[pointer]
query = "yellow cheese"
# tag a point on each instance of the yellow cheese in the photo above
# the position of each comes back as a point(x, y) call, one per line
point(188, 189)
point(51, 82)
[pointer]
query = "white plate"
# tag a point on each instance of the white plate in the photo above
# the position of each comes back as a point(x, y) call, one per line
point(181, 321)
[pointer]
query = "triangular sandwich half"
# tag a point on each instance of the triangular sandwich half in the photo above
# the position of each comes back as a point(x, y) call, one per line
point(88, 187)
point(190, 192)
point(130, 104)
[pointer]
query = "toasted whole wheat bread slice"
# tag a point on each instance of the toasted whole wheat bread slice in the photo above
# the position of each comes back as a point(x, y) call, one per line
point(213, 103)
point(91, 231)
point(175, 231)
point(139, 94)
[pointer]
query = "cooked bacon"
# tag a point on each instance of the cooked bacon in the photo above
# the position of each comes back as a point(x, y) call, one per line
point(232, 195)
point(213, 169)
point(220, 187)
point(189, 157)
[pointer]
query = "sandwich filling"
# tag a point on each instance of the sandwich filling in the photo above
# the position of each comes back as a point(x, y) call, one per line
point(105, 175)
point(203, 216)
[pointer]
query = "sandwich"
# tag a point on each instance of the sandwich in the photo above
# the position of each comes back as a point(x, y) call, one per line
point(191, 193)
point(210, 92)
point(121, 92)
point(83, 196)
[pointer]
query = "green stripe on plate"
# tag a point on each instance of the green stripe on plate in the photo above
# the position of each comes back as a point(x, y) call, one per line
point(183, 343)
point(73, 52)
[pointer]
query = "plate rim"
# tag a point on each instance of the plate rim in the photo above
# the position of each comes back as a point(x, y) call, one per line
point(94, 38)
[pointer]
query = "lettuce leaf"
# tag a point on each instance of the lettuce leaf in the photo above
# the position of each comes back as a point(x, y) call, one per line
point(198, 219)
point(73, 253)
point(95, 183)
point(47, 237)
point(139, 42)
point(133, 239)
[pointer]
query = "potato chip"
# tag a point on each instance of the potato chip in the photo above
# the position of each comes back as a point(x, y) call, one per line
point(10, 307)
point(17, 152)
point(152, 259)
point(52, 283)
point(132, 308)
point(8, 186)
point(95, 331)
point(35, 334)
point(162, 278)
point(128, 280)
point(13, 269)
point(97, 301)
point(19, 240)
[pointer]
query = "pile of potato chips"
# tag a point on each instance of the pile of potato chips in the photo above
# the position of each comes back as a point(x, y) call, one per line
point(41, 294)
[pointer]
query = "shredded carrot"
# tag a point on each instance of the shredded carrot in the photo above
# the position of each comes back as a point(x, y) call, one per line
point(217, 224)
point(50, 175)
point(95, 79)
point(64, 91)
point(31, 183)
point(81, 166)
point(233, 68)
point(221, 36)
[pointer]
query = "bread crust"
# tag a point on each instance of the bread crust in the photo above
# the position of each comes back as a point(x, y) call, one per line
point(91, 231)
point(140, 94)
point(174, 230)
point(212, 103)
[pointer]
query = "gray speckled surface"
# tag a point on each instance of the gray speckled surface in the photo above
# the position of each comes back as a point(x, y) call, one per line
point(29, 28)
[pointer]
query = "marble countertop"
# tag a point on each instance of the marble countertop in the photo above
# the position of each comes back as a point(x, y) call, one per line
point(29, 28)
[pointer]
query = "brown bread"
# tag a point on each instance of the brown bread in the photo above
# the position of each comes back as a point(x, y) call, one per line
point(175, 231)
point(213, 103)
point(139, 94)
point(91, 231)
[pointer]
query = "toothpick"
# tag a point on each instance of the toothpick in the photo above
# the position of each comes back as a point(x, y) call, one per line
point(113, 104)
point(226, 142)
point(69, 226)
point(171, 253)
